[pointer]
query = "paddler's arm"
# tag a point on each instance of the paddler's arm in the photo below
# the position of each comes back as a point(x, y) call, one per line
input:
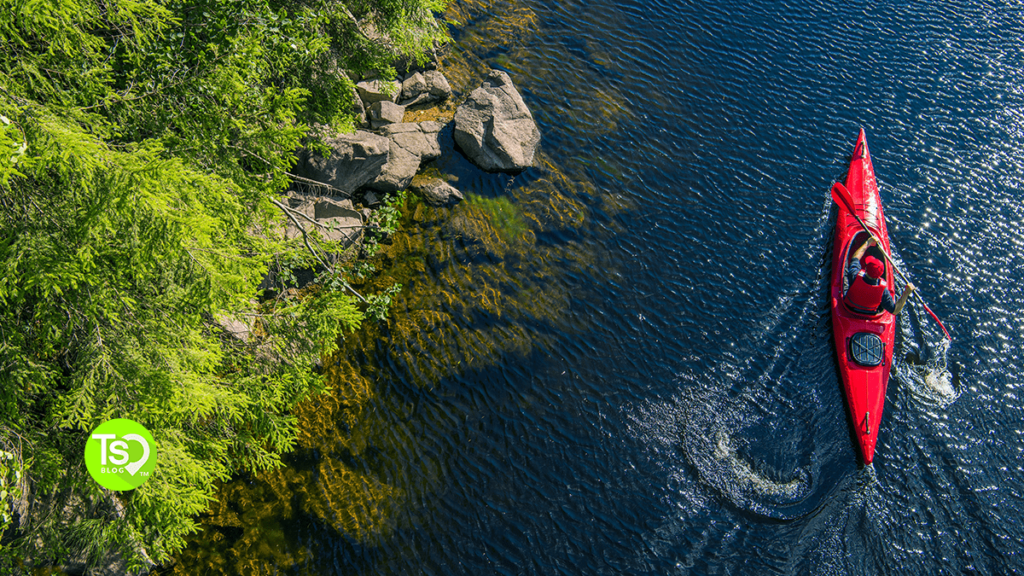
point(863, 248)
point(903, 298)
point(854, 266)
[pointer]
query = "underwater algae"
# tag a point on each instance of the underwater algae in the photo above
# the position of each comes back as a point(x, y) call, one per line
point(482, 29)
point(360, 469)
point(479, 288)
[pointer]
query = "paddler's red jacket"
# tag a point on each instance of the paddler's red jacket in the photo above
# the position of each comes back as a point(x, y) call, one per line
point(865, 297)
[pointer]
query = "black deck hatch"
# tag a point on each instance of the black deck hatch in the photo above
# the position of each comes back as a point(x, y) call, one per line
point(866, 349)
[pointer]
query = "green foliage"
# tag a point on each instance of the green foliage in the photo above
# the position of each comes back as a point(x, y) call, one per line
point(326, 312)
point(389, 216)
point(12, 148)
point(142, 144)
point(383, 223)
point(11, 468)
point(381, 303)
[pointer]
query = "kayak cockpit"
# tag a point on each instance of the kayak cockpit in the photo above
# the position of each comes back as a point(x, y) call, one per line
point(851, 248)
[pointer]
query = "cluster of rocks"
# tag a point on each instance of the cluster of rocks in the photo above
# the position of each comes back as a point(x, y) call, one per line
point(381, 103)
point(493, 128)
point(385, 153)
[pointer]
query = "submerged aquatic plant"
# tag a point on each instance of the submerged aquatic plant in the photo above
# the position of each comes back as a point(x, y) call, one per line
point(506, 217)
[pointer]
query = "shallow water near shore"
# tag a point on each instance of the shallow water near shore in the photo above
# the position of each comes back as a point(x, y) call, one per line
point(620, 361)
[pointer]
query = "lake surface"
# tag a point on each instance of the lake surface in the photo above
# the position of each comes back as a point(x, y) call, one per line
point(620, 362)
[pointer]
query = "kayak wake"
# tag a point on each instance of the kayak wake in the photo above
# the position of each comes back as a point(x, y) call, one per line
point(717, 435)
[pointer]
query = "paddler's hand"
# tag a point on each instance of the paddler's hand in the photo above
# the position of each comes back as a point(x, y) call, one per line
point(911, 287)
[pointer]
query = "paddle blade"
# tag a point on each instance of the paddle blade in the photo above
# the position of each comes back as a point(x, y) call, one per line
point(841, 196)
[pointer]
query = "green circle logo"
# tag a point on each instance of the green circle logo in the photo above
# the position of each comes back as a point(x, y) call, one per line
point(120, 454)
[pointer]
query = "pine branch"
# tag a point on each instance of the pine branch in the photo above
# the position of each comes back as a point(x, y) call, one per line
point(305, 239)
point(320, 225)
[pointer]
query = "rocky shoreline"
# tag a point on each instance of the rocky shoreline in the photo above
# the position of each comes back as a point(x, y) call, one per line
point(478, 278)
point(336, 190)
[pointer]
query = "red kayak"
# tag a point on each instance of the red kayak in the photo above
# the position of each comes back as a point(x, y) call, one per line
point(864, 343)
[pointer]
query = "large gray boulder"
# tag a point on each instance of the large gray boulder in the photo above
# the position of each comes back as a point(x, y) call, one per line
point(424, 88)
point(355, 160)
point(494, 127)
point(411, 144)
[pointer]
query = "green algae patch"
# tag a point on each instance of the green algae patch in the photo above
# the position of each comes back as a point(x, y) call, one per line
point(504, 217)
point(443, 112)
point(602, 111)
point(552, 202)
point(503, 22)
point(354, 503)
point(248, 528)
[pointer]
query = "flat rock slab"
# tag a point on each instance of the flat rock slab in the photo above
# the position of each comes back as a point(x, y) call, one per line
point(346, 230)
point(356, 160)
point(411, 144)
point(234, 327)
point(332, 207)
point(335, 220)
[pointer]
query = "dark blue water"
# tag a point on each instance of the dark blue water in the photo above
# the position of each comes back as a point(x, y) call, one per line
point(649, 385)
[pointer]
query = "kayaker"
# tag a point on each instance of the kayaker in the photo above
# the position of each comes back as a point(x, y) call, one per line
point(867, 292)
